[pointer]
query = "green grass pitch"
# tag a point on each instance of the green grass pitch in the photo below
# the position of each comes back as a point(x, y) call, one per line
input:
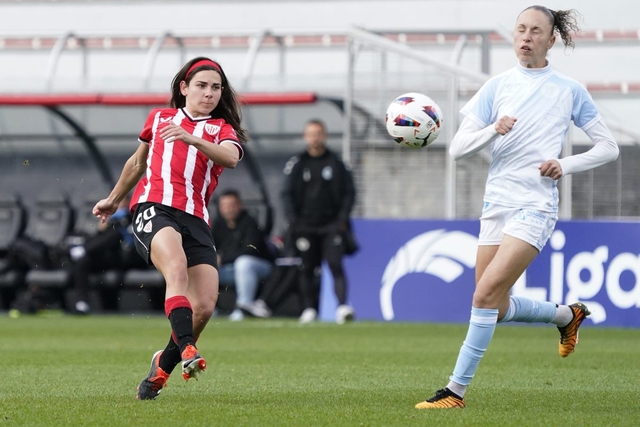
point(70, 371)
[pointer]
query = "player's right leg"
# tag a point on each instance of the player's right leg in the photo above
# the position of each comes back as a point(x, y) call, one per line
point(152, 385)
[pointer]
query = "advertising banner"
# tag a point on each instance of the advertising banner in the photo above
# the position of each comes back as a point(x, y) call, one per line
point(422, 270)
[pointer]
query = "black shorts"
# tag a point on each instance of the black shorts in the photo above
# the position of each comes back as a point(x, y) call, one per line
point(197, 241)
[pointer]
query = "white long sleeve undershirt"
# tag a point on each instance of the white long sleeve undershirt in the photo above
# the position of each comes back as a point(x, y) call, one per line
point(472, 138)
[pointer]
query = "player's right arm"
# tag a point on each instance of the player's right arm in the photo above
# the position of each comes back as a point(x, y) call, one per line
point(132, 171)
point(471, 137)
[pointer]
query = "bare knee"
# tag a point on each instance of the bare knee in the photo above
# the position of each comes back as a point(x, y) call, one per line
point(201, 315)
point(486, 298)
point(203, 309)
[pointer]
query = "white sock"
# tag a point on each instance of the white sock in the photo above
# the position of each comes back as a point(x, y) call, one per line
point(458, 389)
point(563, 316)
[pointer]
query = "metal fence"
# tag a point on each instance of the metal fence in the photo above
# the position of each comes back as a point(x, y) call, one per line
point(395, 181)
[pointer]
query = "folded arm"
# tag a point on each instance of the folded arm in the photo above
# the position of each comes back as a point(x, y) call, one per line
point(471, 138)
point(604, 150)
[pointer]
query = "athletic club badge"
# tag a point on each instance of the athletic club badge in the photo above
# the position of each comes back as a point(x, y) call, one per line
point(211, 129)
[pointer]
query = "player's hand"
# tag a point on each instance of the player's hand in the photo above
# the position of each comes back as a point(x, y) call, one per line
point(551, 168)
point(505, 124)
point(172, 132)
point(104, 209)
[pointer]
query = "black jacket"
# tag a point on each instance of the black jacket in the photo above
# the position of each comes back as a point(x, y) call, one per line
point(317, 190)
point(245, 239)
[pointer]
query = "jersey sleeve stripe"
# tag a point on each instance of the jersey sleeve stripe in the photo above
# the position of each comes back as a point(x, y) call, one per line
point(237, 144)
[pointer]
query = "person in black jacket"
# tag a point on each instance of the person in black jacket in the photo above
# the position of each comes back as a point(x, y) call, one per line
point(243, 256)
point(318, 196)
point(110, 248)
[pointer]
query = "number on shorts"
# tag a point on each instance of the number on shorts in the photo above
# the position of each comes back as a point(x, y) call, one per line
point(145, 215)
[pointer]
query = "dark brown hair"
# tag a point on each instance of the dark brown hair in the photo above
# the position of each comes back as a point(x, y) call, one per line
point(228, 108)
point(562, 21)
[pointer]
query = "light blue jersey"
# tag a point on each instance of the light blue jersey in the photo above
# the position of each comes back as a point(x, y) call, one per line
point(544, 102)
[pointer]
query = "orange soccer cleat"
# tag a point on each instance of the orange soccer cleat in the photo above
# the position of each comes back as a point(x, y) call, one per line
point(444, 399)
point(192, 363)
point(569, 333)
point(152, 385)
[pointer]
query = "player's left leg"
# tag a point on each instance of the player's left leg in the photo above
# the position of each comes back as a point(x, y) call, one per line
point(567, 318)
point(202, 294)
point(535, 228)
point(203, 299)
point(498, 271)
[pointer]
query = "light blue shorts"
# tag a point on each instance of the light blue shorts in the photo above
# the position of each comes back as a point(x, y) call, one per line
point(531, 226)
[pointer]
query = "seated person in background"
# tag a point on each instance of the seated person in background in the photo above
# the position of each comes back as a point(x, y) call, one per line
point(243, 257)
point(111, 247)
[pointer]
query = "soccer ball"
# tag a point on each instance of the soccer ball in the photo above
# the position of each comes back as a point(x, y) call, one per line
point(414, 120)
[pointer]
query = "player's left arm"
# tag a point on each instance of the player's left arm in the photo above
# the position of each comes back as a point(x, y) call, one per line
point(604, 150)
point(226, 153)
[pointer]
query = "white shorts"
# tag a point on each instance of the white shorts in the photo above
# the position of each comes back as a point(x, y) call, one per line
point(531, 226)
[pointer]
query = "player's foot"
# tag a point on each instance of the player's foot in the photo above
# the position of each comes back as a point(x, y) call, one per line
point(344, 313)
point(236, 315)
point(192, 363)
point(308, 315)
point(82, 307)
point(257, 308)
point(151, 386)
point(569, 333)
point(444, 399)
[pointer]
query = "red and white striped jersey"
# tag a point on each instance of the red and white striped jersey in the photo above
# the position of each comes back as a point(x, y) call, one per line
point(178, 174)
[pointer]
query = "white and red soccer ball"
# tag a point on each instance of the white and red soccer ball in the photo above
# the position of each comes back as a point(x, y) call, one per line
point(414, 120)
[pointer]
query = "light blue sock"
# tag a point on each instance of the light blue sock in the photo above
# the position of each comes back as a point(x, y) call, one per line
point(523, 309)
point(481, 326)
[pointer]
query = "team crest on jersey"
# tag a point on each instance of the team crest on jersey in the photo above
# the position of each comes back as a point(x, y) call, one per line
point(211, 129)
point(327, 173)
point(147, 227)
point(550, 90)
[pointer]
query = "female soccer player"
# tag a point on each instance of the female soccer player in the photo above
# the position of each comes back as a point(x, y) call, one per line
point(183, 150)
point(523, 114)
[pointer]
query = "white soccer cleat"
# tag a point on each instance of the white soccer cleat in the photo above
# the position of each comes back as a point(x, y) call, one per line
point(344, 314)
point(308, 315)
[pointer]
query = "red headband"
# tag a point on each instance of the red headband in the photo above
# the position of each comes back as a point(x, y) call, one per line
point(201, 63)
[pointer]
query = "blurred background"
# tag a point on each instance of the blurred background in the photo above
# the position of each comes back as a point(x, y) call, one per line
point(340, 61)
